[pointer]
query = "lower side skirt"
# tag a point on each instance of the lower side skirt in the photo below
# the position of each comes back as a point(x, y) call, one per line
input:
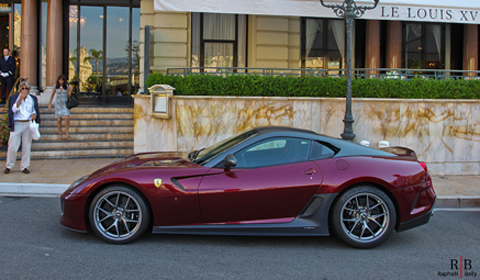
point(309, 223)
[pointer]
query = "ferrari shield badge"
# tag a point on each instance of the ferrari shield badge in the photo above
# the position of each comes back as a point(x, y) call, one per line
point(158, 182)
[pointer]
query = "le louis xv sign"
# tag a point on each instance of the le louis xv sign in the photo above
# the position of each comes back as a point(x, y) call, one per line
point(426, 14)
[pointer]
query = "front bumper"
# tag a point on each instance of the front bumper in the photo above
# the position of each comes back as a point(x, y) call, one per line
point(73, 213)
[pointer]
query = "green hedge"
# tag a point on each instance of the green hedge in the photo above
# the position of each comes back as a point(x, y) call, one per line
point(243, 85)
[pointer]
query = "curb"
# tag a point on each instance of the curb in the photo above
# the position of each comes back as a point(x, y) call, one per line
point(55, 190)
point(458, 202)
point(32, 190)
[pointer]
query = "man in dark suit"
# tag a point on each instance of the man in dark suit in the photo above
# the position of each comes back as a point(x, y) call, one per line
point(7, 71)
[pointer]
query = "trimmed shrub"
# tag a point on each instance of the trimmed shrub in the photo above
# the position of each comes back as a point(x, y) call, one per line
point(255, 85)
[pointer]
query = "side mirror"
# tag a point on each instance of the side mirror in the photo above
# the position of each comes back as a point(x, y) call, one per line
point(230, 161)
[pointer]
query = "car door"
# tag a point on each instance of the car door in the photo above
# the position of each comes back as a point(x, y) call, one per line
point(272, 182)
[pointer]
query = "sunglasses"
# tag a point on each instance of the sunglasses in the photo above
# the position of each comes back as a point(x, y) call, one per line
point(23, 88)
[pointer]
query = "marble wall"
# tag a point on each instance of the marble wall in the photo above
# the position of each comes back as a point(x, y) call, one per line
point(444, 133)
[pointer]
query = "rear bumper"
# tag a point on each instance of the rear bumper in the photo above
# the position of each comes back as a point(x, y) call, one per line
point(418, 221)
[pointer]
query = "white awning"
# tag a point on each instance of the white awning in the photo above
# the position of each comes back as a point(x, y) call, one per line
point(446, 11)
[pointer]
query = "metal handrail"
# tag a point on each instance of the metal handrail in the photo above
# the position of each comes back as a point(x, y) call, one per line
point(362, 73)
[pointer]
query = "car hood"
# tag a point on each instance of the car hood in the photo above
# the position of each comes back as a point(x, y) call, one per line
point(171, 160)
point(159, 159)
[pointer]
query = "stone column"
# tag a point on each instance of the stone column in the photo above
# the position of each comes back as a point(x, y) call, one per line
point(28, 55)
point(394, 44)
point(54, 43)
point(372, 48)
point(470, 49)
point(293, 42)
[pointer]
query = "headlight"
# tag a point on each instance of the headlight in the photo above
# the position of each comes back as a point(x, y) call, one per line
point(78, 182)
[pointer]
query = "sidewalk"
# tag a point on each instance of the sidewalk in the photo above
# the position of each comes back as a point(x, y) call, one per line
point(51, 177)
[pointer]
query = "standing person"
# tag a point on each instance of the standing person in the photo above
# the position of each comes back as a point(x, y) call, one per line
point(23, 107)
point(61, 92)
point(7, 71)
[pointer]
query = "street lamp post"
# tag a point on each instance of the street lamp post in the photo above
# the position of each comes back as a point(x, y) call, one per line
point(349, 11)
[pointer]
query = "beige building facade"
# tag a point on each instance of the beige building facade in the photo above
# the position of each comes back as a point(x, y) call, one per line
point(287, 34)
point(275, 41)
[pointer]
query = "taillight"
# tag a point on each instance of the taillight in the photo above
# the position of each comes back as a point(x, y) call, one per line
point(424, 165)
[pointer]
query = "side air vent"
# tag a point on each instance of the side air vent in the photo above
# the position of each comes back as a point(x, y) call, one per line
point(176, 183)
point(313, 206)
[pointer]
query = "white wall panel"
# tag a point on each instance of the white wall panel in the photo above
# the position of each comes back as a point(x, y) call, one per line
point(465, 11)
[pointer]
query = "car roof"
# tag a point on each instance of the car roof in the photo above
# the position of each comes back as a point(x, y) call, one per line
point(346, 148)
point(273, 129)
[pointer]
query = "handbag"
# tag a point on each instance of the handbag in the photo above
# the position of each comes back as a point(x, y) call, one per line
point(34, 128)
point(72, 101)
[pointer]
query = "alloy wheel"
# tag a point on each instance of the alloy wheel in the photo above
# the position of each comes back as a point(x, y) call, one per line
point(365, 217)
point(118, 215)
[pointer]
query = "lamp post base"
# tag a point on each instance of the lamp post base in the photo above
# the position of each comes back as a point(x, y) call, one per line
point(348, 131)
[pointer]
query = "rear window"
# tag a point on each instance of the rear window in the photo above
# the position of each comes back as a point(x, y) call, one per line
point(320, 151)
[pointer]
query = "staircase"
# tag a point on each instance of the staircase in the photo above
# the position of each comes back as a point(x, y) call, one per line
point(100, 132)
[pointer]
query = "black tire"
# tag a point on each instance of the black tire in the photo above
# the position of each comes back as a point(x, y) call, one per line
point(118, 215)
point(363, 217)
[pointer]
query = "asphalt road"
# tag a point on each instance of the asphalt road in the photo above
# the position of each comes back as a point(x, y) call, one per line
point(33, 245)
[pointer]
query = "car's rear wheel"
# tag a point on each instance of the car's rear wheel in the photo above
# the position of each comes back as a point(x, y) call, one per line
point(119, 215)
point(364, 217)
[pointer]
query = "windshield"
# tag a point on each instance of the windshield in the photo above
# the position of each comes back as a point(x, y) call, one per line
point(207, 154)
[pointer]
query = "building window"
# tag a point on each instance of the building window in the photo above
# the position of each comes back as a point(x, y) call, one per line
point(423, 46)
point(218, 40)
point(111, 67)
point(323, 43)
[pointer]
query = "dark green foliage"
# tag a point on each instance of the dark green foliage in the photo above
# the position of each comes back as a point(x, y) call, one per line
point(254, 85)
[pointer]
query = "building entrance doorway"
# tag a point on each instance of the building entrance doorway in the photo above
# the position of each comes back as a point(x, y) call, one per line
point(5, 38)
point(103, 56)
point(4, 30)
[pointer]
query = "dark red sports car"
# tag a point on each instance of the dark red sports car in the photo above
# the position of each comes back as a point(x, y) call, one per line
point(265, 181)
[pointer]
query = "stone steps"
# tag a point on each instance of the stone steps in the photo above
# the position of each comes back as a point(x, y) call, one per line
point(91, 113)
point(69, 145)
point(75, 136)
point(89, 116)
point(94, 132)
point(78, 153)
point(93, 109)
point(86, 129)
point(92, 122)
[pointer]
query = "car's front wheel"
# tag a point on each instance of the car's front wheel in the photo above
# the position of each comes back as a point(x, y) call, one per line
point(118, 215)
point(363, 217)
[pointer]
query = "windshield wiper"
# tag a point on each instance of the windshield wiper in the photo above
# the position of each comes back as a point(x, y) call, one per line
point(191, 155)
point(195, 154)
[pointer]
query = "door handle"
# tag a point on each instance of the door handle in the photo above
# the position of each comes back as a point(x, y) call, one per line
point(310, 171)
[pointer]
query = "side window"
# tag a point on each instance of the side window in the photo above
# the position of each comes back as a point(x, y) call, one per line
point(274, 144)
point(274, 151)
point(320, 151)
